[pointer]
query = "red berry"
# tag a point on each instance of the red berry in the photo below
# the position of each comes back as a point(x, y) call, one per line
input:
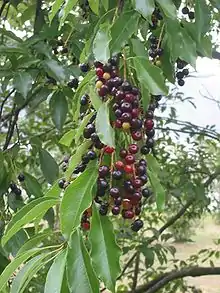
point(123, 153)
point(133, 148)
point(118, 123)
point(108, 150)
point(99, 72)
point(103, 90)
point(119, 95)
point(137, 183)
point(128, 169)
point(149, 124)
point(128, 214)
point(135, 112)
point(85, 226)
point(119, 165)
point(129, 159)
point(136, 135)
point(129, 98)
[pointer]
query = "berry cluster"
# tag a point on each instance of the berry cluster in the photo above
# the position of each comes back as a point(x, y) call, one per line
point(85, 220)
point(15, 189)
point(60, 48)
point(186, 11)
point(181, 71)
point(155, 50)
point(155, 18)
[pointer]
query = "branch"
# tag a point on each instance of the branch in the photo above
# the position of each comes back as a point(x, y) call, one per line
point(136, 272)
point(164, 279)
point(4, 101)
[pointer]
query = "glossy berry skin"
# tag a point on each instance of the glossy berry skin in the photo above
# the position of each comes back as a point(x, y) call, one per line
point(137, 225)
point(118, 201)
point(141, 170)
point(106, 76)
point(191, 15)
point(17, 191)
point(128, 169)
point(185, 10)
point(103, 90)
point(126, 107)
point(118, 123)
point(146, 192)
point(119, 95)
point(118, 113)
point(73, 83)
point(114, 192)
point(126, 117)
point(142, 162)
point(85, 226)
point(123, 153)
point(137, 183)
point(94, 137)
point(103, 171)
point(102, 184)
point(108, 150)
point(150, 133)
point(84, 100)
point(136, 124)
point(98, 64)
point(135, 112)
point(137, 211)
point(179, 74)
point(150, 142)
point(145, 150)
point(186, 71)
point(181, 82)
point(126, 86)
point(85, 159)
point(21, 177)
point(129, 159)
point(137, 196)
point(129, 98)
point(150, 115)
point(61, 183)
point(136, 135)
point(144, 179)
point(127, 214)
point(91, 155)
point(133, 148)
point(99, 84)
point(117, 174)
point(119, 165)
point(103, 210)
point(149, 124)
point(116, 210)
point(99, 72)
point(84, 67)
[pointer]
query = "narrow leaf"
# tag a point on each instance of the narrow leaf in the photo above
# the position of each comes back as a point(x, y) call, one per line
point(122, 29)
point(59, 109)
point(55, 8)
point(76, 158)
point(103, 126)
point(158, 190)
point(202, 19)
point(55, 274)
point(95, 99)
point(150, 76)
point(68, 6)
point(168, 8)
point(101, 44)
point(80, 274)
point(153, 164)
point(105, 4)
point(77, 197)
point(55, 70)
point(27, 215)
point(145, 97)
point(23, 83)
point(145, 7)
point(94, 5)
point(33, 187)
point(49, 166)
point(105, 252)
point(67, 138)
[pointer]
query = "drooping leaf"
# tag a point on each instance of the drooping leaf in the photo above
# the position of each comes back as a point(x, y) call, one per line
point(16, 242)
point(55, 274)
point(103, 126)
point(80, 274)
point(101, 44)
point(158, 190)
point(153, 164)
point(145, 97)
point(144, 7)
point(76, 158)
point(202, 19)
point(54, 9)
point(150, 75)
point(168, 8)
point(55, 70)
point(84, 122)
point(148, 254)
point(32, 186)
point(122, 29)
point(139, 48)
point(94, 5)
point(77, 197)
point(27, 214)
point(67, 138)
point(95, 99)
point(54, 190)
point(59, 109)
point(105, 252)
point(23, 83)
point(68, 6)
point(105, 4)
point(49, 166)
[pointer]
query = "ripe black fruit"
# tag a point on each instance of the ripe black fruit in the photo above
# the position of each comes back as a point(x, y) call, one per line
point(145, 150)
point(84, 67)
point(61, 183)
point(92, 155)
point(84, 100)
point(21, 177)
point(181, 82)
point(185, 10)
point(73, 83)
point(137, 225)
point(191, 15)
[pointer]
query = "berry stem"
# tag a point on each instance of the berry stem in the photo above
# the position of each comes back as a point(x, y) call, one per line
point(160, 36)
point(68, 37)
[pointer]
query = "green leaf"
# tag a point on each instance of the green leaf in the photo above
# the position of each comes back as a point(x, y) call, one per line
point(101, 44)
point(27, 214)
point(55, 70)
point(68, 6)
point(206, 47)
point(11, 268)
point(139, 48)
point(33, 242)
point(76, 158)
point(10, 35)
point(23, 83)
point(67, 138)
point(32, 186)
point(94, 5)
point(150, 76)
point(55, 8)
point(59, 109)
point(105, 252)
point(103, 127)
point(84, 122)
point(122, 30)
point(144, 7)
point(49, 166)
point(16, 242)
point(158, 190)
point(202, 19)
point(55, 274)
point(153, 164)
point(95, 99)
point(148, 254)
point(145, 97)
point(77, 198)
point(168, 8)
point(54, 191)
point(13, 49)
point(105, 4)
point(80, 274)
